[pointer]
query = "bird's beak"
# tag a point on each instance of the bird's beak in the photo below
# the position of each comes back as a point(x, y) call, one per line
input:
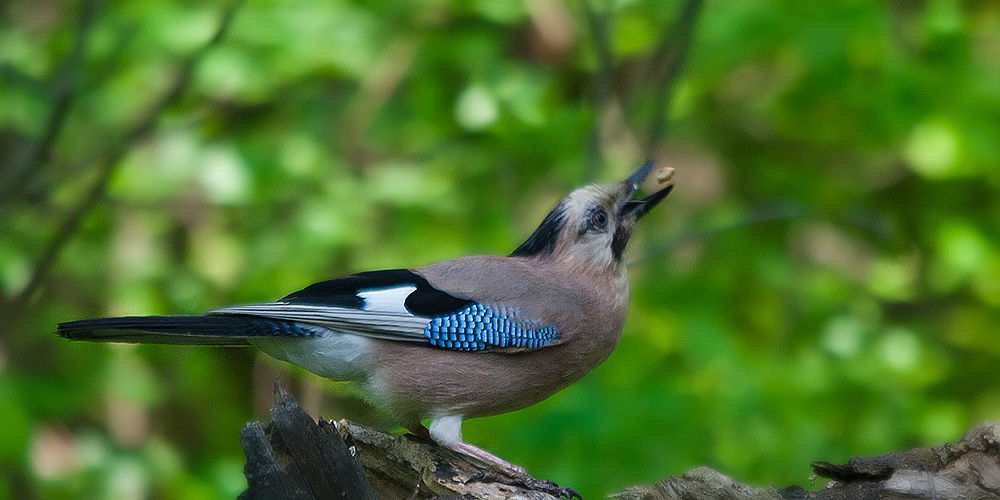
point(638, 208)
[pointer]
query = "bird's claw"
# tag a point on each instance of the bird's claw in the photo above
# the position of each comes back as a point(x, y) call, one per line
point(525, 480)
point(551, 488)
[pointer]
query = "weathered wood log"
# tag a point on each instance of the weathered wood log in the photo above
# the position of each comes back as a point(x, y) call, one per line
point(296, 458)
point(293, 457)
point(410, 467)
point(966, 470)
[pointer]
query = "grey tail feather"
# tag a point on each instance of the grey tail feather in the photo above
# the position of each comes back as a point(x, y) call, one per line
point(204, 330)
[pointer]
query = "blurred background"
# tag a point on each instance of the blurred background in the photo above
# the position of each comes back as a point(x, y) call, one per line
point(823, 282)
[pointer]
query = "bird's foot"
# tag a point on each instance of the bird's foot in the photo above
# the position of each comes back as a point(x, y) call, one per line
point(525, 480)
point(511, 474)
point(489, 458)
point(505, 473)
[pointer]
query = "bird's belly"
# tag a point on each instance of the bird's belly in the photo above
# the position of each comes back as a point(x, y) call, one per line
point(427, 382)
point(337, 356)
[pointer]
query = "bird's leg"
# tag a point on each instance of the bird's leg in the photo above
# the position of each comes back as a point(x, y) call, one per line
point(447, 432)
point(510, 473)
point(471, 450)
point(513, 475)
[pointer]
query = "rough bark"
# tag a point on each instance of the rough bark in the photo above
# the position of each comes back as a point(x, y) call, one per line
point(295, 457)
point(966, 470)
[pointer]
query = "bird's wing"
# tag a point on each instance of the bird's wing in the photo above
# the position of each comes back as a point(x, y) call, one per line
point(401, 305)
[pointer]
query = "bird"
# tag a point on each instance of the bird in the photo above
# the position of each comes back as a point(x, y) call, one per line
point(469, 337)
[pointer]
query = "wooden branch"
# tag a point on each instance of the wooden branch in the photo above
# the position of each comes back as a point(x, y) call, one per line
point(966, 470)
point(297, 458)
point(294, 457)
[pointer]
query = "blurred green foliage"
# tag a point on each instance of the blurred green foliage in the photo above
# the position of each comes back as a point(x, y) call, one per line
point(824, 281)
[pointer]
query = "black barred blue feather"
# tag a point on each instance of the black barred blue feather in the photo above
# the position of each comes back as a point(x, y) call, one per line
point(477, 328)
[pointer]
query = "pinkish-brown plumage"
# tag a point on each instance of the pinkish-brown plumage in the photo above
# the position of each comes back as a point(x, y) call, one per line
point(429, 381)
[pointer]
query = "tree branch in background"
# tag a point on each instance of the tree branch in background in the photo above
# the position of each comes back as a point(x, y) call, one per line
point(33, 154)
point(600, 29)
point(375, 90)
point(665, 67)
point(111, 65)
point(869, 221)
point(756, 215)
point(107, 164)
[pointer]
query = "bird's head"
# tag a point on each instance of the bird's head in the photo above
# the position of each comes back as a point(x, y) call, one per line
point(592, 226)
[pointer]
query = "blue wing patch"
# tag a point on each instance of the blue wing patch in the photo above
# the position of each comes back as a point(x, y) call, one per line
point(476, 328)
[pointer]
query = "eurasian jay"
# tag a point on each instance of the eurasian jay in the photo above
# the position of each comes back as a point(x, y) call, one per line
point(462, 338)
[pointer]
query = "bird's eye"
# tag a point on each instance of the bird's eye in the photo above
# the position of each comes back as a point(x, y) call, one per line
point(599, 218)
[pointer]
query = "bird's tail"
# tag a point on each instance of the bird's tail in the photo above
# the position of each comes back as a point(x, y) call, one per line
point(205, 330)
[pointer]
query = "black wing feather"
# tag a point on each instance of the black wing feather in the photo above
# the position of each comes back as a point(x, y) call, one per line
point(424, 301)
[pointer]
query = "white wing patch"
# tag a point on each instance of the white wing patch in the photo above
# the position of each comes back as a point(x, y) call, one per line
point(386, 300)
